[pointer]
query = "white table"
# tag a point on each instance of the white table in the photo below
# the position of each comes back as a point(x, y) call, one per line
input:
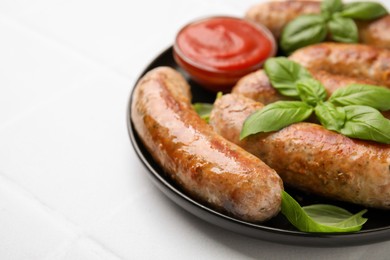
point(71, 186)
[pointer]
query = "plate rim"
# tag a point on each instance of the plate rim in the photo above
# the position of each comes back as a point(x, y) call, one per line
point(233, 224)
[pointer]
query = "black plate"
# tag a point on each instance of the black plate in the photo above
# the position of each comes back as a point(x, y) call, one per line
point(278, 229)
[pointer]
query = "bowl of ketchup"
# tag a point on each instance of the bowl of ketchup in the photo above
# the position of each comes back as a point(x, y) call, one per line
point(217, 51)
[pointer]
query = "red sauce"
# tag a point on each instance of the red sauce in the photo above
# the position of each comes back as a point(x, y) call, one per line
point(218, 51)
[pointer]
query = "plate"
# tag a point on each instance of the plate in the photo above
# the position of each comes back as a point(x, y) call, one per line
point(278, 229)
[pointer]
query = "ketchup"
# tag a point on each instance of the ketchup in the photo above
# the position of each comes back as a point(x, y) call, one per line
point(217, 51)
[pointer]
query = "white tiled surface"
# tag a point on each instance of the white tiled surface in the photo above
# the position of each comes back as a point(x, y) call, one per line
point(71, 186)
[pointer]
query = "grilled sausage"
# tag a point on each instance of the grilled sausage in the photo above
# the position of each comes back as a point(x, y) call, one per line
point(356, 60)
point(204, 164)
point(257, 86)
point(311, 158)
point(276, 15)
point(376, 32)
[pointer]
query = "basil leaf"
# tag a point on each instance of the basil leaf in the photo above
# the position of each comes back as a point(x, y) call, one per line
point(203, 110)
point(331, 6)
point(320, 218)
point(302, 31)
point(333, 216)
point(364, 10)
point(219, 95)
point(284, 73)
point(365, 95)
point(366, 123)
point(311, 91)
point(330, 116)
point(275, 116)
point(343, 29)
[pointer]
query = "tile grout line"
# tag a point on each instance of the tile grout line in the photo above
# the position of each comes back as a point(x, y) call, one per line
point(103, 246)
point(33, 200)
point(65, 47)
point(64, 223)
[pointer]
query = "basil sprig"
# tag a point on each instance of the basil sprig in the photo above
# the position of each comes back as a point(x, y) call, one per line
point(335, 19)
point(321, 218)
point(351, 111)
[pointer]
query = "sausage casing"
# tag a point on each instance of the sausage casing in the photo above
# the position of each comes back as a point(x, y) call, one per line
point(203, 163)
point(310, 157)
point(355, 60)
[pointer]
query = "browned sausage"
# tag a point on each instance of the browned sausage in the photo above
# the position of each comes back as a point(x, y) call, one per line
point(204, 164)
point(376, 32)
point(356, 60)
point(257, 86)
point(311, 158)
point(276, 15)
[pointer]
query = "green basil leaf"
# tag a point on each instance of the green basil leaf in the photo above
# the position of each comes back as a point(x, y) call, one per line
point(203, 110)
point(311, 91)
point(302, 31)
point(365, 95)
point(320, 218)
point(284, 73)
point(219, 95)
point(364, 10)
point(275, 116)
point(330, 116)
point(331, 6)
point(333, 216)
point(366, 123)
point(343, 29)
point(326, 15)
